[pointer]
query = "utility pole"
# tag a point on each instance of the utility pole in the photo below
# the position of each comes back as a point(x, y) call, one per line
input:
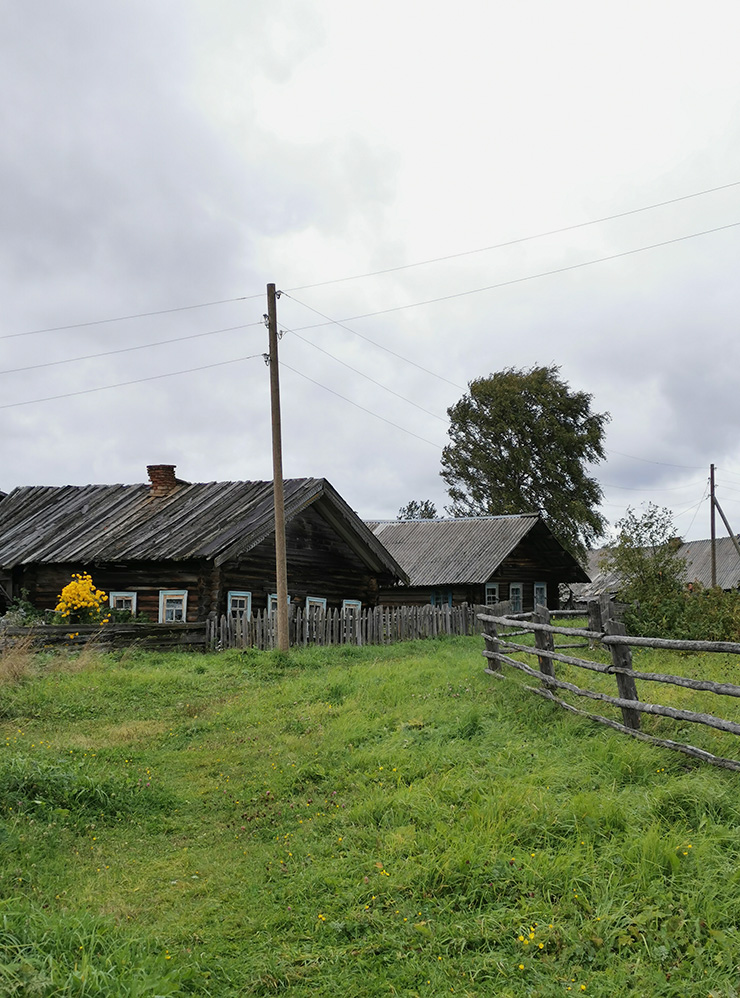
point(281, 566)
point(712, 501)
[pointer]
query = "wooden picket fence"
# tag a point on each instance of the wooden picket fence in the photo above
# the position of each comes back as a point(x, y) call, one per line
point(371, 626)
point(379, 625)
point(607, 631)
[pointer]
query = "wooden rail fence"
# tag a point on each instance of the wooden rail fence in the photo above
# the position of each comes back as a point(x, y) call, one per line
point(610, 633)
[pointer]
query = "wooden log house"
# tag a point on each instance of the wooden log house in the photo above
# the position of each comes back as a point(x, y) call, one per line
point(176, 551)
point(478, 560)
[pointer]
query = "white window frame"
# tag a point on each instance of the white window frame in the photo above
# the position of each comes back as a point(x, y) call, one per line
point(441, 596)
point(491, 591)
point(520, 587)
point(164, 595)
point(353, 605)
point(241, 594)
point(315, 602)
point(540, 585)
point(123, 595)
point(272, 602)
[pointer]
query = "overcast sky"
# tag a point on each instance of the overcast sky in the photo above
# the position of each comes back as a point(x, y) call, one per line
point(158, 154)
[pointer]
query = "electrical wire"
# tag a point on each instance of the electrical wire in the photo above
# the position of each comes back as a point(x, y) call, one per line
point(732, 474)
point(528, 277)
point(650, 488)
point(515, 242)
point(123, 384)
point(141, 346)
point(388, 270)
point(696, 512)
point(122, 318)
point(358, 406)
point(663, 464)
point(367, 376)
point(342, 324)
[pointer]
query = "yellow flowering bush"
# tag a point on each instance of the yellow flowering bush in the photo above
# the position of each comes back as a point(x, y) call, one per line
point(81, 602)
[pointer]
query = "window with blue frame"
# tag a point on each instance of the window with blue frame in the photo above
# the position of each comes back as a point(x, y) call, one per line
point(173, 606)
point(272, 602)
point(239, 603)
point(441, 597)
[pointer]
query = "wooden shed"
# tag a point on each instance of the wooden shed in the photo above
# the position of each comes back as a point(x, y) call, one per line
point(485, 559)
point(173, 550)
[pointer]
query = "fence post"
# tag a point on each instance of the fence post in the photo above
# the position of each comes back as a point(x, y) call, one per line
point(544, 641)
point(621, 657)
point(594, 620)
point(492, 646)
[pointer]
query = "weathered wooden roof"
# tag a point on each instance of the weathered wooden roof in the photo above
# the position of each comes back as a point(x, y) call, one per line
point(696, 554)
point(469, 550)
point(219, 521)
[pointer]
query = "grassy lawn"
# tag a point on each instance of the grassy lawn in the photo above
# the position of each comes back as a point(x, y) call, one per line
point(379, 821)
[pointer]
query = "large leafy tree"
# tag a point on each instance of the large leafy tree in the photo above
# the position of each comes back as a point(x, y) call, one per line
point(521, 441)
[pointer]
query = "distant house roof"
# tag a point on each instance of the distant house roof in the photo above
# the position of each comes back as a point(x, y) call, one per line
point(469, 550)
point(218, 521)
point(696, 554)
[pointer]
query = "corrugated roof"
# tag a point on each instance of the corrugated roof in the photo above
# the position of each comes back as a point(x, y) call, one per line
point(466, 550)
point(213, 520)
point(698, 558)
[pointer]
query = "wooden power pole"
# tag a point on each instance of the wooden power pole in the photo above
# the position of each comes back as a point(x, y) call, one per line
point(281, 565)
point(712, 526)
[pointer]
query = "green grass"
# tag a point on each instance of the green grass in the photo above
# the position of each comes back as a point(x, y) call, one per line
point(380, 821)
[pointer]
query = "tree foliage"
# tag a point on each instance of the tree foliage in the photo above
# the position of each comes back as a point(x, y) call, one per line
point(418, 509)
point(645, 558)
point(662, 601)
point(520, 442)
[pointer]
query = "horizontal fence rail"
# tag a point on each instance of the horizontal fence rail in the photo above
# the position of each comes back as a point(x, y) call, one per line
point(606, 631)
point(157, 637)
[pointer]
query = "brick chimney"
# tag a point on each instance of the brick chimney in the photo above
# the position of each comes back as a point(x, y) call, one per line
point(162, 479)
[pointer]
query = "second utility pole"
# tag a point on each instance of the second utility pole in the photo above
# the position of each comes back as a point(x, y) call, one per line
point(713, 542)
point(281, 566)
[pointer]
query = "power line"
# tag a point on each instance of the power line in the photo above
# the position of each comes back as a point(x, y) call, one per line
point(521, 280)
point(696, 511)
point(122, 318)
point(358, 406)
point(515, 242)
point(141, 346)
point(650, 488)
point(341, 324)
point(732, 474)
point(663, 464)
point(388, 270)
point(367, 376)
point(123, 384)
